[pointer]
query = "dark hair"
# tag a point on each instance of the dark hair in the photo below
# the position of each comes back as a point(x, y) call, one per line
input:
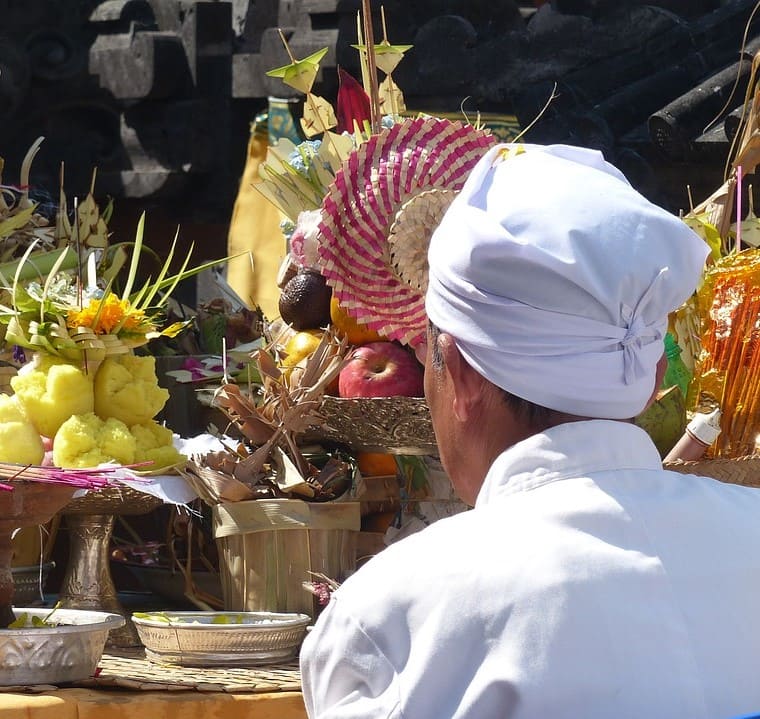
point(534, 415)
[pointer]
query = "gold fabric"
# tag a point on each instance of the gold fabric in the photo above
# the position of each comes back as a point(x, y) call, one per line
point(255, 230)
point(100, 704)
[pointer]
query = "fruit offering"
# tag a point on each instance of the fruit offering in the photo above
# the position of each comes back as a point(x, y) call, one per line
point(126, 388)
point(362, 201)
point(51, 390)
point(80, 389)
point(381, 369)
point(20, 440)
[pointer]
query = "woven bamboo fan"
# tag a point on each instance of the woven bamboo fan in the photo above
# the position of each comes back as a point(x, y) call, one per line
point(410, 235)
point(379, 281)
point(736, 470)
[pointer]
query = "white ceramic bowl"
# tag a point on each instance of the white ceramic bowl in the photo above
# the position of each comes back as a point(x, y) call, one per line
point(53, 655)
point(198, 639)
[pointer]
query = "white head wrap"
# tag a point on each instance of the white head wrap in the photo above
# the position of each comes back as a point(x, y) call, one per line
point(555, 277)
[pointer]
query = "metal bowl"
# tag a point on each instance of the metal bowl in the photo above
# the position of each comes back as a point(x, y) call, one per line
point(67, 652)
point(199, 639)
point(28, 583)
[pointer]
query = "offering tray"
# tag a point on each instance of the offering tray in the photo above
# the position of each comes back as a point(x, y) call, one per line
point(65, 652)
point(232, 639)
point(396, 425)
point(738, 470)
point(87, 582)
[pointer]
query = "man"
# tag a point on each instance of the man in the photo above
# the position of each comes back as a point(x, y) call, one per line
point(586, 582)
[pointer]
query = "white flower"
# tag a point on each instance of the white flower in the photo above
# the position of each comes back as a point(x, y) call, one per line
point(304, 243)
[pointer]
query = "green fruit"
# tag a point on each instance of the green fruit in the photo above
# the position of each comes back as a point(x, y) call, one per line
point(305, 301)
point(665, 420)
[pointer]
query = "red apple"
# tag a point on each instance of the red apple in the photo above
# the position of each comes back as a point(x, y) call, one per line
point(381, 369)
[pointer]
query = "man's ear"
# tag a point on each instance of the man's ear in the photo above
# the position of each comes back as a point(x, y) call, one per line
point(466, 383)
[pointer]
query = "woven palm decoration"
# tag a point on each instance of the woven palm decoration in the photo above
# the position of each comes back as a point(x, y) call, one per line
point(379, 277)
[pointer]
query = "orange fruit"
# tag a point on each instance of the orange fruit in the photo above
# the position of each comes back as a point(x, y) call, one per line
point(300, 346)
point(355, 332)
point(376, 464)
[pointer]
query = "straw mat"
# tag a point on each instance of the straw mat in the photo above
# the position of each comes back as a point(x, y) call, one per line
point(128, 669)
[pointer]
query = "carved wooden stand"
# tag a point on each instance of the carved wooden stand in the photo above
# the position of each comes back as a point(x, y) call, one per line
point(87, 583)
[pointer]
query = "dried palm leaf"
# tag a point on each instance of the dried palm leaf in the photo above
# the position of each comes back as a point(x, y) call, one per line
point(273, 420)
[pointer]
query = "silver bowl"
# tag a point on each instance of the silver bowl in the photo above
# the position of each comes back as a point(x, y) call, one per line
point(67, 652)
point(198, 639)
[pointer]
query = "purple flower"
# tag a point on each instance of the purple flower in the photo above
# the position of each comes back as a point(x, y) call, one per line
point(322, 593)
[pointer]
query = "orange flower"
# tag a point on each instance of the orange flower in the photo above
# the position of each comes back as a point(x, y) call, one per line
point(105, 315)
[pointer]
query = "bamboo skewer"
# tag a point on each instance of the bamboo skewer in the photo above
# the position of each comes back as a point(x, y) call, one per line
point(369, 44)
point(394, 101)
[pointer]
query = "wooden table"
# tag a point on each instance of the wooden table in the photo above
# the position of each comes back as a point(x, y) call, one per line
point(127, 686)
point(125, 704)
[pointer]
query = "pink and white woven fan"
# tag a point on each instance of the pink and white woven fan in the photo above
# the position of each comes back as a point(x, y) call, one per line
point(380, 212)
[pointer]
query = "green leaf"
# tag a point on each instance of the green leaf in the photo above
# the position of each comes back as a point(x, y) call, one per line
point(153, 616)
point(302, 73)
point(707, 231)
point(36, 265)
point(135, 257)
point(19, 622)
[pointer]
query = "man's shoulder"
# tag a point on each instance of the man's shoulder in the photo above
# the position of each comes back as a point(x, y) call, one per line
point(439, 555)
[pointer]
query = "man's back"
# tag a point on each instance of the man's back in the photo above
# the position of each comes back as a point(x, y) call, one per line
point(571, 590)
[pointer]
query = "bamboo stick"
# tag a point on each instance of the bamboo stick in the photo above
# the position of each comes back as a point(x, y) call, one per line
point(369, 43)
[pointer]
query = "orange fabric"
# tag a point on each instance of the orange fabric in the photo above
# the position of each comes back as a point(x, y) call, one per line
point(121, 704)
point(255, 229)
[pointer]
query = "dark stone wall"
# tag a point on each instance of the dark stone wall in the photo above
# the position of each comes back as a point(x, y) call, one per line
point(159, 94)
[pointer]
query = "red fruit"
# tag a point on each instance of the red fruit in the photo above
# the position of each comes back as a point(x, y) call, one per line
point(381, 369)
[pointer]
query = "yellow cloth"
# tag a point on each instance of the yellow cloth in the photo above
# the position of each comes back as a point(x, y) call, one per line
point(120, 704)
point(255, 229)
point(27, 546)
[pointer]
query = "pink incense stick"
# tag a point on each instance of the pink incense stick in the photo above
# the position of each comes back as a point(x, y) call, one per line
point(738, 208)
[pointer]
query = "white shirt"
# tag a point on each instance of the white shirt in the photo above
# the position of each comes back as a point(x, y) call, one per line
point(586, 583)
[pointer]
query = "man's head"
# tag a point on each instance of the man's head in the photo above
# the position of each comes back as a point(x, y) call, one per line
point(550, 279)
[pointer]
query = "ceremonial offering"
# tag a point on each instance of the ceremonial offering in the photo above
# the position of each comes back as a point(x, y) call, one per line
point(378, 216)
point(362, 206)
point(47, 647)
point(727, 371)
point(717, 326)
point(206, 639)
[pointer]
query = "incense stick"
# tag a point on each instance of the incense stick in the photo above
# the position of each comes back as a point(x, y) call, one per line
point(738, 208)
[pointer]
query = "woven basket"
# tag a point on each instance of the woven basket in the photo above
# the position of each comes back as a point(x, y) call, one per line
point(269, 547)
point(396, 425)
point(739, 470)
